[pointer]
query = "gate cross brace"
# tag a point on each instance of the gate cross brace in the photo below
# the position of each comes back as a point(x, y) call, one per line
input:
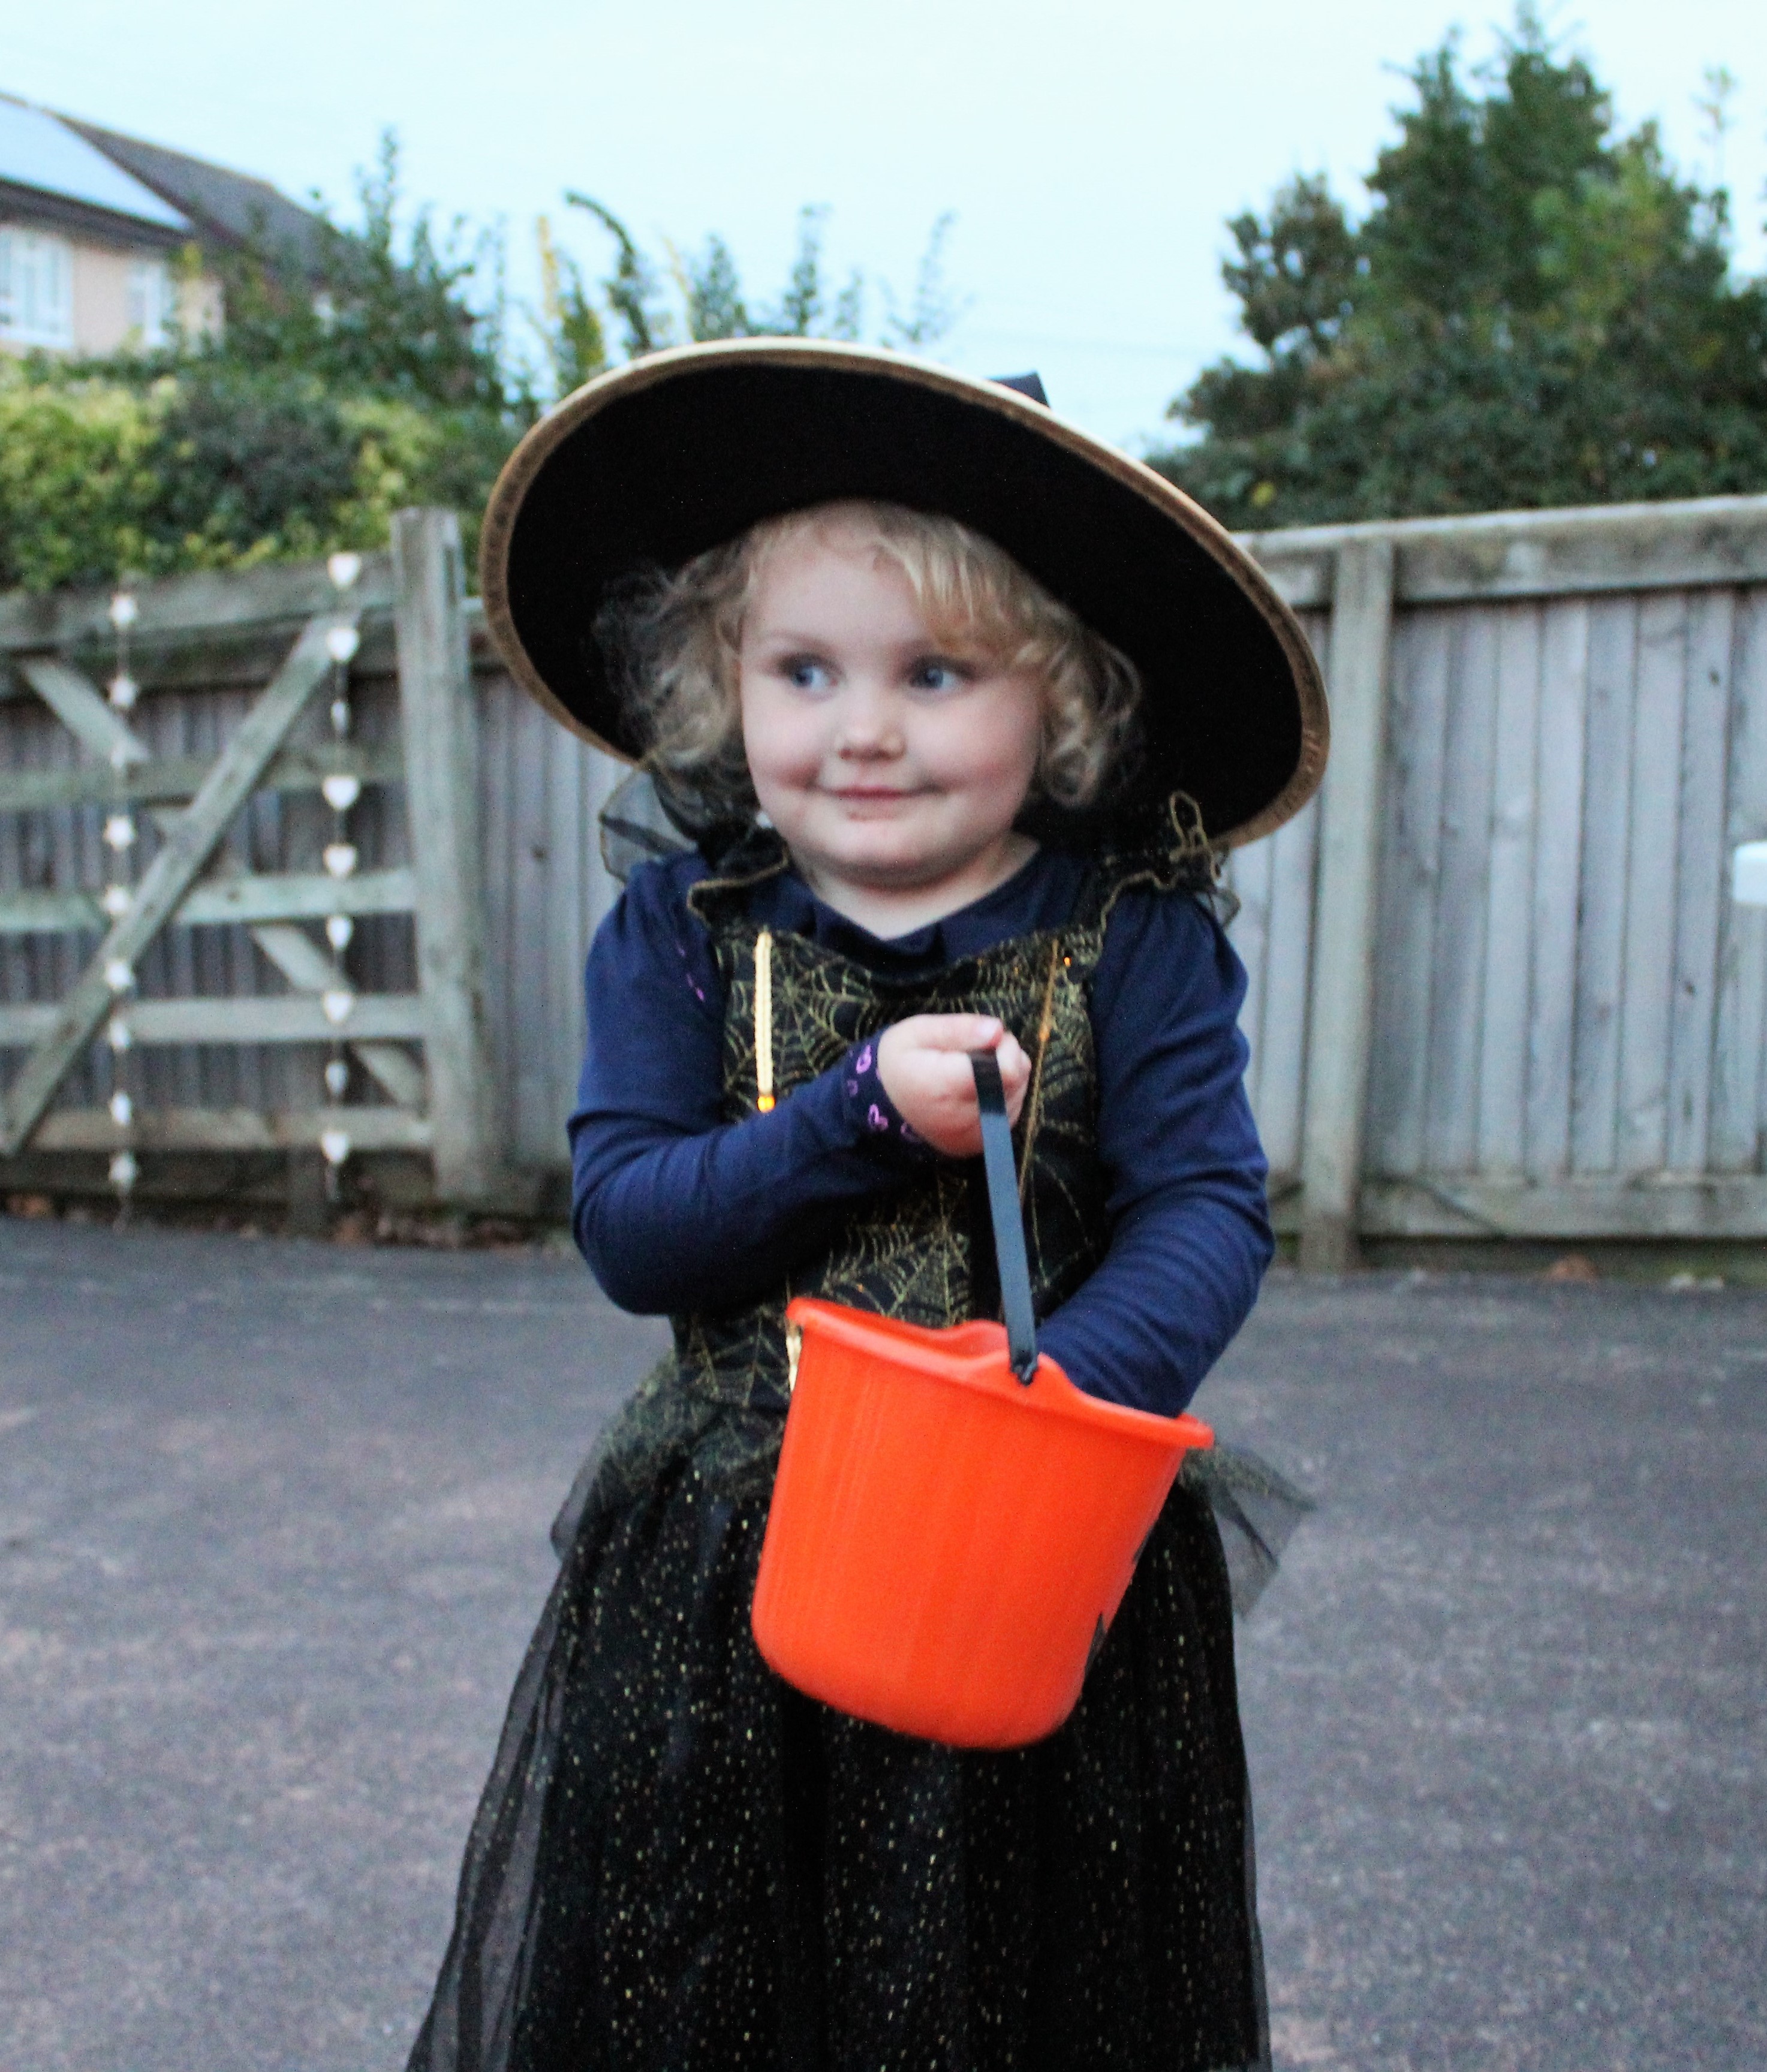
point(307, 968)
point(90, 720)
point(189, 845)
point(83, 712)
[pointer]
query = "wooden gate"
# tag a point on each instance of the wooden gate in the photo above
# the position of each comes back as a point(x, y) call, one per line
point(89, 984)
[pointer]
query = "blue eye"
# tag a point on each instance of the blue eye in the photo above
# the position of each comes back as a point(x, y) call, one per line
point(937, 673)
point(805, 672)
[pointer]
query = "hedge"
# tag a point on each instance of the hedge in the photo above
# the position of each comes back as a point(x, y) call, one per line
point(208, 467)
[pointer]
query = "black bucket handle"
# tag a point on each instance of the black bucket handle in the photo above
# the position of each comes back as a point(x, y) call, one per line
point(1015, 1273)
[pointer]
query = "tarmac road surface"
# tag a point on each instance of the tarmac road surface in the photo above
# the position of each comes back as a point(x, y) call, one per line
point(273, 1533)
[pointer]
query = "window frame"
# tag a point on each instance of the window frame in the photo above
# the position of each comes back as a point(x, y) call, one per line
point(23, 253)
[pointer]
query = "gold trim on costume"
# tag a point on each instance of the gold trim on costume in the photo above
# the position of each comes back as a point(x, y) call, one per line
point(763, 1021)
point(1045, 1021)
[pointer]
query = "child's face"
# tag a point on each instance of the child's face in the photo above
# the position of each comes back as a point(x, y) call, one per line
point(889, 759)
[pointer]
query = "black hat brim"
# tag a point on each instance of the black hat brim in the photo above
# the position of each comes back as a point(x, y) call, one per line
point(682, 451)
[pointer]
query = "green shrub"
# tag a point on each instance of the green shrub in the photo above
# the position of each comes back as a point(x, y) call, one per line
point(252, 469)
point(407, 453)
point(216, 467)
point(79, 480)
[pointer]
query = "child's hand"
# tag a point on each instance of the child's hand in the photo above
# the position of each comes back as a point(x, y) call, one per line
point(924, 1064)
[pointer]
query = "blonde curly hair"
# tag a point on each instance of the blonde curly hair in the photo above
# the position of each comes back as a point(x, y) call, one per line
point(672, 642)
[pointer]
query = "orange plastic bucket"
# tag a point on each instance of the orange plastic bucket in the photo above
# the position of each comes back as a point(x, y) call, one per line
point(946, 1546)
point(947, 1541)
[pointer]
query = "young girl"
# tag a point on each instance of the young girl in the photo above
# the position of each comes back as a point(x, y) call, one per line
point(957, 705)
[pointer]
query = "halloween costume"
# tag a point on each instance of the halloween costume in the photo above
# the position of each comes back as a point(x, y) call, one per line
point(674, 1213)
point(678, 1861)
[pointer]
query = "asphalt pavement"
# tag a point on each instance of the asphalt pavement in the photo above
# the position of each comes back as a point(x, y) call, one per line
point(273, 1528)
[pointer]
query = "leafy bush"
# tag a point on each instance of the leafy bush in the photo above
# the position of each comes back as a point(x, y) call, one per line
point(78, 481)
point(352, 377)
point(215, 468)
point(244, 462)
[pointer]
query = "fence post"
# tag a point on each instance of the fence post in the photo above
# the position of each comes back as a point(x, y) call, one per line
point(1340, 1020)
point(440, 729)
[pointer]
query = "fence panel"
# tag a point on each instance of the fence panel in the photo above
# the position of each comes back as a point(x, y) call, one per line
point(1550, 952)
point(1735, 1128)
point(59, 849)
point(546, 889)
point(1569, 1031)
point(1274, 881)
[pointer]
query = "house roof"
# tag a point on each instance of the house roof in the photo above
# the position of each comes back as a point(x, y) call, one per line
point(69, 167)
point(41, 154)
point(225, 207)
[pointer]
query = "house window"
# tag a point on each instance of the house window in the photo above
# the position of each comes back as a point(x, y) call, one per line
point(153, 303)
point(36, 289)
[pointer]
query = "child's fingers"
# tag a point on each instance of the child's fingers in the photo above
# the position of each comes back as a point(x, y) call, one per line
point(952, 1032)
point(950, 1073)
point(924, 1062)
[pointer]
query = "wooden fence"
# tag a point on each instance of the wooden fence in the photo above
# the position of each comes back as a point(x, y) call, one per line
point(1497, 986)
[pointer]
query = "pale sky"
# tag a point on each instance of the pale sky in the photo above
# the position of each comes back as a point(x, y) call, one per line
point(1091, 152)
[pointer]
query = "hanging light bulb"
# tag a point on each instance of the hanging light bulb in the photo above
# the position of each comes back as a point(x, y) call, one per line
point(124, 610)
point(341, 791)
point(118, 1034)
point(340, 717)
point(340, 858)
point(343, 568)
point(341, 642)
point(338, 929)
point(117, 900)
point(119, 974)
point(124, 691)
point(336, 1001)
point(337, 1079)
point(124, 1172)
point(335, 1145)
point(122, 1109)
point(119, 831)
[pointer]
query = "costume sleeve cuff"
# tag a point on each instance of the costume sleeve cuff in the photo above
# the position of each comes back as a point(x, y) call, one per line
point(871, 1114)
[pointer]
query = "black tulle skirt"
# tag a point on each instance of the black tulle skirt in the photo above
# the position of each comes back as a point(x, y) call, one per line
point(679, 1862)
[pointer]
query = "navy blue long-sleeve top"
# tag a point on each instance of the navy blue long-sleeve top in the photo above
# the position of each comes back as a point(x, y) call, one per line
point(676, 1209)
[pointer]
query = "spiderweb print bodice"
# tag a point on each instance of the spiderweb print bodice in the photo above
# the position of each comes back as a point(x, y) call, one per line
point(920, 1251)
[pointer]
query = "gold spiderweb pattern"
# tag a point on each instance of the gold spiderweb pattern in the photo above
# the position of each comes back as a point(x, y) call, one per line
point(921, 1252)
point(913, 1253)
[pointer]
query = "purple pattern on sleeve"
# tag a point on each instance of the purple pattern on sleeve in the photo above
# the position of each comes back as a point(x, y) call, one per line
point(697, 990)
point(874, 1112)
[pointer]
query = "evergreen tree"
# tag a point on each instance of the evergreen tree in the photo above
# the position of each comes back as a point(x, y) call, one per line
point(1536, 311)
